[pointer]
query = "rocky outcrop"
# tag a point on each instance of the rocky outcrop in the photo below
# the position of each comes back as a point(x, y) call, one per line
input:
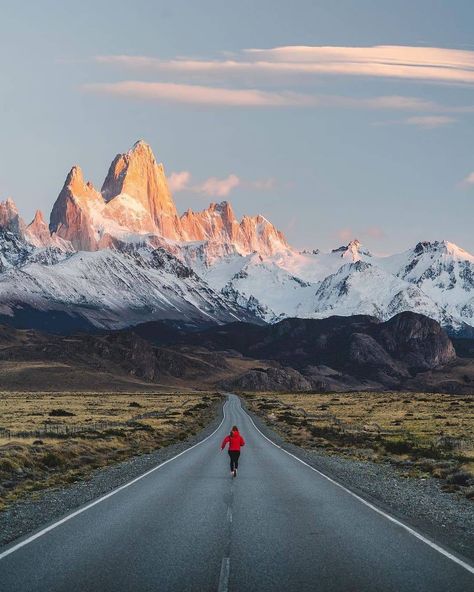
point(218, 224)
point(72, 216)
point(9, 217)
point(136, 174)
point(135, 201)
point(359, 346)
point(417, 340)
point(268, 379)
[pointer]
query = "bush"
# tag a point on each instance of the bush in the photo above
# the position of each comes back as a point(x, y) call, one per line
point(52, 460)
point(7, 465)
point(60, 413)
point(134, 404)
point(459, 478)
point(398, 446)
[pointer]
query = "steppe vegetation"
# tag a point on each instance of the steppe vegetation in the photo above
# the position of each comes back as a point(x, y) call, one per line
point(422, 434)
point(48, 439)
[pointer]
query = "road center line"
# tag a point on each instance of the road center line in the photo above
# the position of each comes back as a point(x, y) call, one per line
point(224, 575)
point(110, 494)
point(410, 530)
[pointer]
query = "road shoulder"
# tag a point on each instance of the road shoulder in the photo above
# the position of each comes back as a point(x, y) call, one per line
point(443, 517)
point(28, 515)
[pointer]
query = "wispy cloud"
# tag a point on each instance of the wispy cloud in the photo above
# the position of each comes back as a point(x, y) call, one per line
point(469, 180)
point(374, 232)
point(200, 95)
point(430, 64)
point(430, 121)
point(225, 97)
point(215, 186)
point(211, 187)
point(179, 181)
point(345, 234)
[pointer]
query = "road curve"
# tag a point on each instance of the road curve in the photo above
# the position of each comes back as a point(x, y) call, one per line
point(188, 526)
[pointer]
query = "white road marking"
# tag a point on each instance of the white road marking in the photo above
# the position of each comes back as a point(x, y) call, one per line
point(229, 514)
point(224, 576)
point(106, 496)
point(413, 532)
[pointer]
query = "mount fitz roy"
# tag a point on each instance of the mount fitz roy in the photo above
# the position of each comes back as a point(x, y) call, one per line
point(123, 255)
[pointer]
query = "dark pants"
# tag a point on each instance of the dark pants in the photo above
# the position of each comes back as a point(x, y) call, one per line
point(234, 459)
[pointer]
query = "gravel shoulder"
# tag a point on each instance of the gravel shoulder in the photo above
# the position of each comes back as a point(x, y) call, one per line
point(28, 515)
point(443, 517)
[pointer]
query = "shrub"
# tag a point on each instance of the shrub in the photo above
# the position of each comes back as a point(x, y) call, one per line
point(398, 446)
point(7, 465)
point(52, 460)
point(61, 413)
point(459, 478)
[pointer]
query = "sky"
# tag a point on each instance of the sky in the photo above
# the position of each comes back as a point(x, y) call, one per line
point(334, 119)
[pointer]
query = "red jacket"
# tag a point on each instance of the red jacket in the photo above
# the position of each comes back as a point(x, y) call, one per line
point(235, 441)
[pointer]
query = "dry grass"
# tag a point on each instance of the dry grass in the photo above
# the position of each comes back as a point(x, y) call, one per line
point(51, 438)
point(423, 434)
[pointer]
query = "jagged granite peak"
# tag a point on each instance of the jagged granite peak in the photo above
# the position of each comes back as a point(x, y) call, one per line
point(353, 250)
point(10, 218)
point(136, 173)
point(218, 223)
point(71, 216)
point(37, 232)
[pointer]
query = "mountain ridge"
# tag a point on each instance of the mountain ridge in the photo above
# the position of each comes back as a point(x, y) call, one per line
point(245, 266)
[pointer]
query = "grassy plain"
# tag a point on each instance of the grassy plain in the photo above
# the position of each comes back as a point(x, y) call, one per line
point(423, 434)
point(48, 439)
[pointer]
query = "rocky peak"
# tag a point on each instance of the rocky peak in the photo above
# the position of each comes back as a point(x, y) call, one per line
point(37, 232)
point(136, 173)
point(72, 213)
point(353, 250)
point(9, 218)
point(218, 224)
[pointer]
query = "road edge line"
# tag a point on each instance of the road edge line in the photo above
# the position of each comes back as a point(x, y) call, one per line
point(409, 529)
point(68, 517)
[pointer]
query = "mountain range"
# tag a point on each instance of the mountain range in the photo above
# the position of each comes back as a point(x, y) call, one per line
point(123, 255)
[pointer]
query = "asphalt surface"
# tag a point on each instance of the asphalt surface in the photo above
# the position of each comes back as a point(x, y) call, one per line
point(189, 525)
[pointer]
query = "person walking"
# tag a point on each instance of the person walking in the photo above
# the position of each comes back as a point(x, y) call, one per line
point(235, 441)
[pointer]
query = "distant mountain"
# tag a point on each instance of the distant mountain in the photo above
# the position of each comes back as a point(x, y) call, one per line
point(409, 352)
point(124, 255)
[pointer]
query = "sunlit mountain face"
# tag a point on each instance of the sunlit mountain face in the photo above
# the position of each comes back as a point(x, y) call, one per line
point(124, 255)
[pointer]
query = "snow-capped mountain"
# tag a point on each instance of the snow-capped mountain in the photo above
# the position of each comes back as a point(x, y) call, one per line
point(124, 255)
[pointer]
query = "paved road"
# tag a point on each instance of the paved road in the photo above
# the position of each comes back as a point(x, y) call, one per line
point(189, 526)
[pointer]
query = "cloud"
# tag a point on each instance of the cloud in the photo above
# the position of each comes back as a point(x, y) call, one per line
point(179, 181)
point(345, 234)
point(224, 97)
point(263, 184)
point(430, 121)
point(200, 95)
point(426, 64)
point(469, 180)
point(214, 187)
point(374, 232)
point(211, 187)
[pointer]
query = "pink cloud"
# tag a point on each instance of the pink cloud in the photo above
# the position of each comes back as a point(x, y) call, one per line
point(374, 232)
point(345, 234)
point(430, 121)
point(263, 184)
point(179, 181)
point(215, 187)
point(432, 64)
point(469, 180)
point(199, 95)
